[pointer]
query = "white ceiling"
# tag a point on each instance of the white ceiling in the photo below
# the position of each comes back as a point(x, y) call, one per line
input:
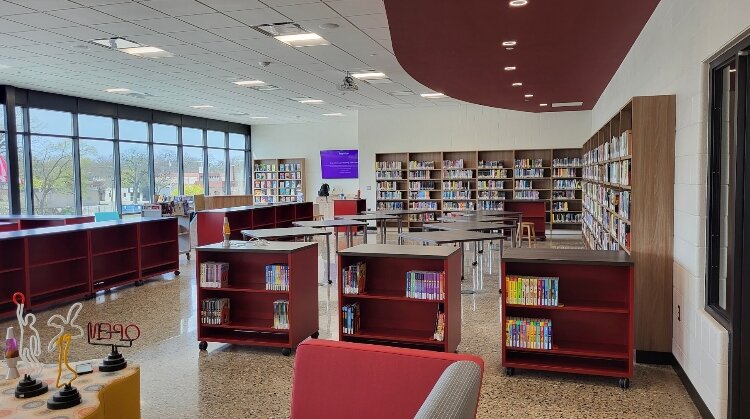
point(43, 46)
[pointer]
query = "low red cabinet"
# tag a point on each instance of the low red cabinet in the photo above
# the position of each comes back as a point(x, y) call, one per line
point(26, 222)
point(592, 325)
point(251, 315)
point(533, 212)
point(349, 207)
point(387, 316)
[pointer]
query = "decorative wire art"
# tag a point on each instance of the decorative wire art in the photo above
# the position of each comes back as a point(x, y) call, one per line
point(29, 351)
point(60, 322)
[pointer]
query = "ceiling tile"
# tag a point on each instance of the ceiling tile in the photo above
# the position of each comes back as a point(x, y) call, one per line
point(123, 29)
point(101, 2)
point(357, 7)
point(159, 40)
point(166, 25)
point(83, 33)
point(238, 33)
point(7, 8)
point(378, 20)
point(9, 26)
point(41, 20)
point(211, 21)
point(222, 46)
point(307, 11)
point(47, 5)
point(13, 41)
point(130, 11)
point(178, 7)
point(84, 16)
point(274, 3)
point(42, 36)
point(199, 36)
point(231, 5)
point(258, 16)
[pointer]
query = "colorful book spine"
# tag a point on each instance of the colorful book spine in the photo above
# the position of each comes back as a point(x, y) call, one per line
point(528, 333)
point(425, 285)
point(281, 314)
point(277, 277)
point(532, 290)
point(215, 311)
point(214, 275)
point(350, 318)
point(439, 334)
point(353, 278)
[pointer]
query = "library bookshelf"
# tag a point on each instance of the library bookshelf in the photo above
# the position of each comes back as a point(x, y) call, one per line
point(278, 180)
point(25, 222)
point(592, 323)
point(387, 316)
point(628, 199)
point(251, 312)
point(55, 265)
point(484, 180)
point(8, 226)
point(251, 217)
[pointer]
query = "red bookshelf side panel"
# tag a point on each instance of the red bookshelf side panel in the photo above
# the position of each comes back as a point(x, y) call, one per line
point(533, 212)
point(284, 214)
point(27, 224)
point(11, 254)
point(52, 248)
point(8, 226)
point(303, 294)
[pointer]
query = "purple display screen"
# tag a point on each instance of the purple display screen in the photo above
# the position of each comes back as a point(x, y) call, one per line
point(339, 164)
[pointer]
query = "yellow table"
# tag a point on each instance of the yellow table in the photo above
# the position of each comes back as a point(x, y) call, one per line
point(110, 395)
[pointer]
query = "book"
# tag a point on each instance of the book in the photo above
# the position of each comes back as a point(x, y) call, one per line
point(528, 333)
point(353, 278)
point(277, 277)
point(281, 314)
point(214, 275)
point(350, 318)
point(215, 311)
point(532, 290)
point(439, 334)
point(425, 285)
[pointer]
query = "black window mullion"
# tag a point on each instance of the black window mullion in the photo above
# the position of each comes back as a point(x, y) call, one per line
point(117, 177)
point(28, 163)
point(77, 186)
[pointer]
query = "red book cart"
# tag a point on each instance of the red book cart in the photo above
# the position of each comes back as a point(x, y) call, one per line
point(251, 312)
point(592, 323)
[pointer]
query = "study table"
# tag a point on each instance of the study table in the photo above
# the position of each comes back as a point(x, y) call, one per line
point(401, 214)
point(379, 218)
point(350, 225)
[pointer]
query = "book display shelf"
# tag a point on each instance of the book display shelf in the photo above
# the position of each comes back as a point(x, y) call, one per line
point(252, 296)
point(25, 222)
point(252, 217)
point(484, 180)
point(54, 265)
point(567, 310)
point(628, 184)
point(385, 309)
point(278, 180)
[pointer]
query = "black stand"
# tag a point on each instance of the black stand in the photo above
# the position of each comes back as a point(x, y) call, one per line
point(114, 362)
point(65, 398)
point(29, 387)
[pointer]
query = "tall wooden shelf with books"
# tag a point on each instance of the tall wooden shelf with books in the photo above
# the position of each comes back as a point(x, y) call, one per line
point(278, 180)
point(628, 203)
point(406, 296)
point(532, 181)
point(257, 295)
point(568, 310)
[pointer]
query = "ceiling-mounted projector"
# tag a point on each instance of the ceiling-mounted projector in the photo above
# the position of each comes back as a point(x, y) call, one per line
point(349, 84)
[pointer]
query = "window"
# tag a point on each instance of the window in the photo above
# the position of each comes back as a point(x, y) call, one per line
point(135, 184)
point(236, 141)
point(192, 136)
point(236, 172)
point(98, 189)
point(52, 175)
point(217, 175)
point(166, 134)
point(166, 170)
point(43, 121)
point(95, 126)
point(133, 130)
point(216, 139)
point(192, 163)
point(22, 178)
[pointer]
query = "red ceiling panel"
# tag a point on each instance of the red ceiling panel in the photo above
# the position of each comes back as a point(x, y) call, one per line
point(567, 50)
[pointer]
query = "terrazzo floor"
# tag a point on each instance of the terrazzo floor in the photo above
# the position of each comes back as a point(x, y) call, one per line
point(179, 381)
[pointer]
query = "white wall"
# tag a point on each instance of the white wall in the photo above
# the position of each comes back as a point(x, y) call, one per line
point(306, 140)
point(669, 58)
point(461, 127)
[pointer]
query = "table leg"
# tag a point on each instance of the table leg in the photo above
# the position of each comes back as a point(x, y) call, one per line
point(476, 252)
point(365, 233)
point(328, 258)
point(400, 229)
point(336, 230)
point(463, 268)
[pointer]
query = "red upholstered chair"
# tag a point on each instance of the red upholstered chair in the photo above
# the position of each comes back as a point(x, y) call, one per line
point(350, 380)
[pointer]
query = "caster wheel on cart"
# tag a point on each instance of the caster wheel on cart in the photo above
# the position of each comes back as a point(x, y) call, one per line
point(624, 383)
point(509, 371)
point(286, 351)
point(138, 283)
point(176, 272)
point(187, 255)
point(203, 345)
point(315, 335)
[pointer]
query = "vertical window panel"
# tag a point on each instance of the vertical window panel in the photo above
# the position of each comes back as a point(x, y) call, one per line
point(135, 185)
point(52, 175)
point(192, 163)
point(192, 136)
point(97, 176)
point(216, 139)
point(166, 171)
point(237, 172)
point(217, 163)
point(43, 121)
point(166, 134)
point(132, 130)
point(237, 141)
point(95, 126)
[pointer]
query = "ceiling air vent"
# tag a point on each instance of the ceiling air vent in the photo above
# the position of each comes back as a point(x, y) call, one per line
point(566, 104)
point(291, 34)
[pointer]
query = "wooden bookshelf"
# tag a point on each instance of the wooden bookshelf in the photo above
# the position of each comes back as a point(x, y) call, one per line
point(251, 217)
point(55, 265)
point(278, 181)
point(387, 316)
point(592, 324)
point(487, 180)
point(628, 204)
point(251, 316)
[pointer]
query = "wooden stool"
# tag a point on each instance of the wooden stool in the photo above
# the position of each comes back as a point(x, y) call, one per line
point(530, 233)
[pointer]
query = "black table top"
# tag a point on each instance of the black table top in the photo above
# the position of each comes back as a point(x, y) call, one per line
point(455, 236)
point(478, 219)
point(467, 226)
point(365, 217)
point(402, 212)
point(257, 247)
point(329, 223)
point(567, 256)
point(399, 251)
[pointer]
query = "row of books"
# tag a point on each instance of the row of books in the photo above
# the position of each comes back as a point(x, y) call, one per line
point(422, 185)
point(413, 164)
point(529, 173)
point(566, 162)
point(459, 174)
point(528, 163)
point(523, 184)
point(419, 195)
point(350, 318)
point(264, 199)
point(490, 164)
point(277, 277)
point(570, 217)
point(261, 167)
point(453, 164)
point(387, 186)
point(425, 285)
point(423, 205)
point(567, 184)
point(422, 217)
point(456, 206)
point(560, 206)
point(389, 206)
point(563, 194)
point(455, 185)
point(491, 195)
point(494, 173)
point(214, 275)
point(290, 167)
point(419, 174)
point(491, 205)
point(456, 194)
point(265, 176)
point(293, 191)
point(529, 195)
point(281, 314)
point(353, 278)
point(564, 172)
point(387, 165)
point(298, 198)
point(215, 311)
point(290, 175)
point(490, 184)
point(528, 333)
point(262, 192)
point(615, 148)
point(390, 175)
point(532, 290)
point(265, 184)
point(390, 195)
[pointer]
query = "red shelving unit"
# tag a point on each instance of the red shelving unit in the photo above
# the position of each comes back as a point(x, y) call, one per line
point(533, 212)
point(387, 316)
point(349, 207)
point(8, 225)
point(251, 305)
point(211, 222)
point(26, 222)
point(592, 326)
point(55, 265)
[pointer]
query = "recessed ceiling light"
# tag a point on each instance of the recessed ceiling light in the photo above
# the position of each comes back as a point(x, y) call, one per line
point(117, 90)
point(732, 70)
point(116, 43)
point(333, 114)
point(329, 26)
point(402, 93)
point(309, 101)
point(309, 39)
point(509, 43)
point(202, 106)
point(542, 104)
point(517, 84)
point(528, 95)
point(258, 117)
point(518, 3)
point(249, 83)
point(511, 68)
point(433, 95)
point(566, 104)
point(369, 75)
point(147, 52)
